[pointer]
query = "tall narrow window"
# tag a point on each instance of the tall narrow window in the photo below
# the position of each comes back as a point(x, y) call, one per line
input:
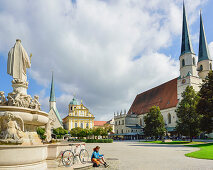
point(87, 125)
point(76, 125)
point(169, 119)
point(82, 125)
point(183, 63)
point(201, 67)
point(210, 66)
point(193, 61)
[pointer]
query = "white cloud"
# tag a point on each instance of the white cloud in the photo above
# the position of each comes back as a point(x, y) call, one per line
point(91, 46)
point(211, 49)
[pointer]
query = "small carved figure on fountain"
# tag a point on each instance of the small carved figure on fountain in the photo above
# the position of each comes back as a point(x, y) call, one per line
point(18, 100)
point(11, 101)
point(3, 100)
point(26, 101)
point(12, 127)
point(48, 128)
point(35, 103)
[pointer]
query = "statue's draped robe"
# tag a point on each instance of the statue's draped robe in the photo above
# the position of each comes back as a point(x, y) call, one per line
point(18, 61)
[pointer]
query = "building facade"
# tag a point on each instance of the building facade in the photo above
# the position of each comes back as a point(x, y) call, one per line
point(168, 95)
point(127, 126)
point(78, 116)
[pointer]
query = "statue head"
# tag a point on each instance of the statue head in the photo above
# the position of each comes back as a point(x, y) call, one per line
point(18, 40)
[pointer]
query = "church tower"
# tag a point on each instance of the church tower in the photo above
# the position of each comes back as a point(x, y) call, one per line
point(204, 62)
point(188, 69)
point(52, 100)
point(187, 56)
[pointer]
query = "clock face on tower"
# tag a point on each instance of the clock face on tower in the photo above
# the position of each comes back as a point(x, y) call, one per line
point(183, 81)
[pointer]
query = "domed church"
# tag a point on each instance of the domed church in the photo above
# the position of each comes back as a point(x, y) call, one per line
point(78, 116)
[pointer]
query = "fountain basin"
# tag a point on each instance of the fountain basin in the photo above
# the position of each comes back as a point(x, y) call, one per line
point(17, 155)
point(29, 116)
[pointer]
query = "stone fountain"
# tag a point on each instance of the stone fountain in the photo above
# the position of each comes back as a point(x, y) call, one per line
point(20, 115)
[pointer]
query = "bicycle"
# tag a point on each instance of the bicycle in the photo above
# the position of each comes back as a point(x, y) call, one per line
point(68, 157)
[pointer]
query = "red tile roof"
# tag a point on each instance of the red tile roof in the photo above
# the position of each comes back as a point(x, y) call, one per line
point(164, 96)
point(99, 123)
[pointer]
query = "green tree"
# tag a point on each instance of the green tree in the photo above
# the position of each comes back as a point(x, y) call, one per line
point(40, 132)
point(154, 124)
point(205, 104)
point(96, 132)
point(104, 132)
point(60, 132)
point(75, 132)
point(188, 122)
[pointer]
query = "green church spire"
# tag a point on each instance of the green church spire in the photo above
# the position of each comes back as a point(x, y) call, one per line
point(186, 46)
point(52, 91)
point(203, 46)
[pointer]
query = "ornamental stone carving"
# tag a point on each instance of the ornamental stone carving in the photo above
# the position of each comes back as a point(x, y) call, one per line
point(35, 103)
point(12, 128)
point(48, 128)
point(3, 100)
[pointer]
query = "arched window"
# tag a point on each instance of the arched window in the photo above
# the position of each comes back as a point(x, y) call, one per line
point(169, 118)
point(201, 67)
point(82, 125)
point(76, 125)
point(193, 61)
point(183, 63)
point(210, 66)
point(87, 125)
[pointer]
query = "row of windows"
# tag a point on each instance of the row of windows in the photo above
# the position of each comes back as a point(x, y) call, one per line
point(119, 122)
point(169, 118)
point(80, 114)
point(183, 62)
point(128, 131)
point(81, 125)
point(201, 67)
point(74, 107)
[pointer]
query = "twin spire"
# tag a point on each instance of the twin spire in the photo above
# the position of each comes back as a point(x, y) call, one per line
point(203, 46)
point(52, 91)
point(186, 45)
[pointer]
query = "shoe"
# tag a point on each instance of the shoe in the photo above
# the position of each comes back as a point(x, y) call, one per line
point(105, 165)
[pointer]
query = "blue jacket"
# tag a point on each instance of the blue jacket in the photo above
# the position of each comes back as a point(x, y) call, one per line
point(96, 155)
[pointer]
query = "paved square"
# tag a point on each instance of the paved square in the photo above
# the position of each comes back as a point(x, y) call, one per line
point(144, 156)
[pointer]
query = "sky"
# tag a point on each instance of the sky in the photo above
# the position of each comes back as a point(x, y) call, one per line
point(104, 52)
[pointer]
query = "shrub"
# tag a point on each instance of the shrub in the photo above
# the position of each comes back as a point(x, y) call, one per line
point(92, 140)
point(40, 132)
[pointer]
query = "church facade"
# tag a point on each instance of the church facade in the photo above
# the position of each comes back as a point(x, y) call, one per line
point(78, 116)
point(168, 94)
point(53, 112)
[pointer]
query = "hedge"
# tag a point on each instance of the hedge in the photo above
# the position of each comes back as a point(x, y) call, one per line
point(92, 140)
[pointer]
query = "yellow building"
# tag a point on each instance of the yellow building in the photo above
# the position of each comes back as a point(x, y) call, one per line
point(78, 116)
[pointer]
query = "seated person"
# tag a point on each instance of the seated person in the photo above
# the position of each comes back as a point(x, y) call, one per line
point(97, 158)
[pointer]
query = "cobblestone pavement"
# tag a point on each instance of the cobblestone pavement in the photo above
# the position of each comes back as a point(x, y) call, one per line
point(144, 156)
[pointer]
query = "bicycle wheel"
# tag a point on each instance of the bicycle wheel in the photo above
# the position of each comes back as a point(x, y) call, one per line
point(84, 156)
point(67, 158)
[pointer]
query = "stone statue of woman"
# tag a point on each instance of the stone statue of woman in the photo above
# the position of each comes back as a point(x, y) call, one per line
point(18, 62)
